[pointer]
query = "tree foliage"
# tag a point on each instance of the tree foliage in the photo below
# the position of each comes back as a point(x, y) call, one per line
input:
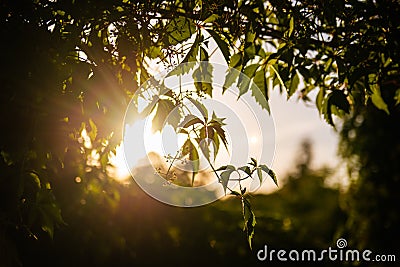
point(371, 148)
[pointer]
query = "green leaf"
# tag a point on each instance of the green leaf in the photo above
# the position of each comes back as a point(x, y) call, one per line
point(211, 18)
point(253, 162)
point(243, 84)
point(216, 120)
point(246, 170)
point(200, 107)
point(147, 110)
point(191, 56)
point(204, 87)
point(155, 52)
point(104, 161)
point(222, 168)
point(235, 60)
point(230, 78)
point(235, 193)
point(294, 84)
point(93, 130)
point(377, 99)
point(189, 149)
point(249, 220)
point(182, 68)
point(203, 54)
point(164, 108)
point(319, 99)
point(291, 26)
point(216, 144)
point(217, 126)
point(328, 64)
point(180, 29)
point(278, 77)
point(205, 149)
point(190, 120)
point(204, 141)
point(259, 174)
point(225, 175)
point(223, 46)
point(339, 99)
point(270, 172)
point(250, 70)
point(250, 51)
point(194, 158)
point(202, 77)
point(250, 36)
point(259, 91)
point(326, 110)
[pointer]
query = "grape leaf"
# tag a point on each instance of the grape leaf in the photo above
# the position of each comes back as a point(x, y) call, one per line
point(259, 89)
point(223, 46)
point(165, 108)
point(200, 107)
point(189, 149)
point(270, 172)
point(225, 175)
point(180, 29)
point(249, 220)
point(377, 99)
point(230, 78)
point(190, 120)
point(294, 84)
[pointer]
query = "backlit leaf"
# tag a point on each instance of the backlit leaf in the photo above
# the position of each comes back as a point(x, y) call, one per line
point(223, 46)
point(221, 133)
point(216, 144)
point(189, 149)
point(230, 78)
point(235, 60)
point(339, 99)
point(180, 29)
point(259, 174)
point(200, 107)
point(225, 175)
point(291, 26)
point(190, 120)
point(246, 170)
point(319, 99)
point(164, 108)
point(249, 220)
point(377, 99)
point(270, 172)
point(294, 84)
point(259, 91)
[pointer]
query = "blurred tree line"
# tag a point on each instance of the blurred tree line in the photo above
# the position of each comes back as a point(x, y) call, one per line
point(123, 226)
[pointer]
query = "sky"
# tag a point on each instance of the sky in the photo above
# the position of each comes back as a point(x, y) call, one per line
point(294, 122)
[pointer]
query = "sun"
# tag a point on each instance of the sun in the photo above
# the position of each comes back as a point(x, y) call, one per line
point(139, 140)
